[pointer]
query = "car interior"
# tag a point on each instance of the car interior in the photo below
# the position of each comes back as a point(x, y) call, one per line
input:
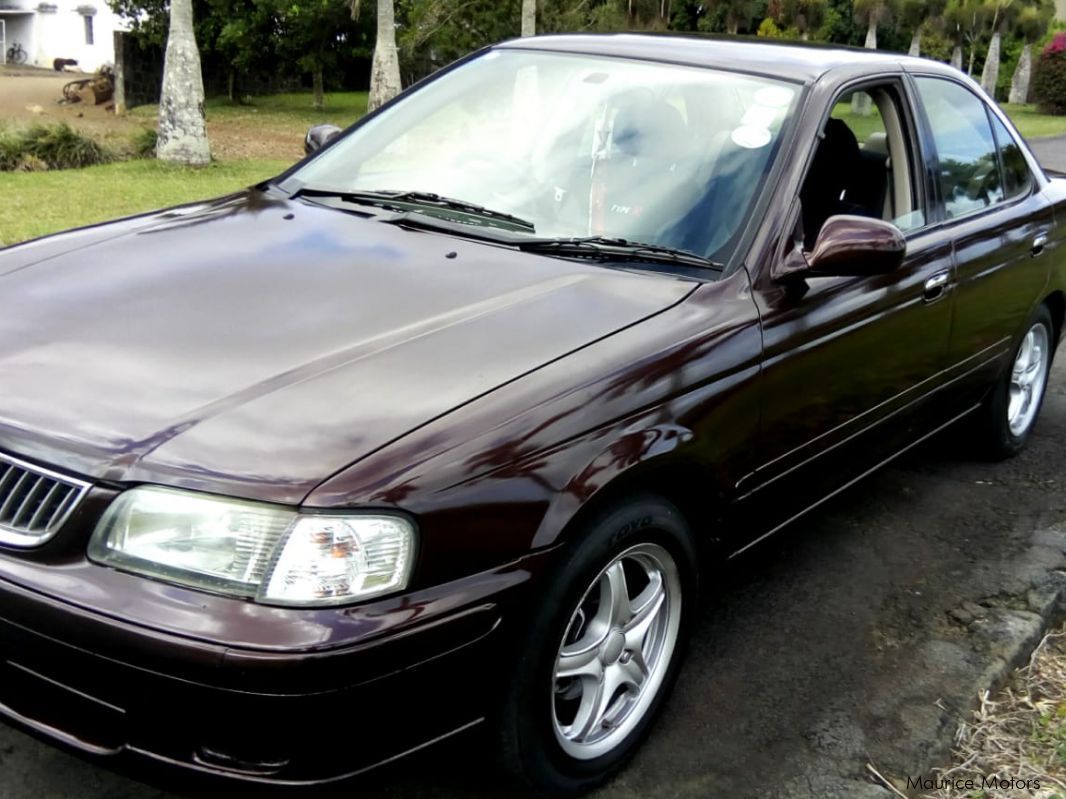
point(862, 166)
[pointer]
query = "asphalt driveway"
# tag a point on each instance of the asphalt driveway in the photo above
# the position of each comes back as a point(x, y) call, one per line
point(827, 648)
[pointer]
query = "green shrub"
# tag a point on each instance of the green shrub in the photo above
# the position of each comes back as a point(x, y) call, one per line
point(1049, 77)
point(144, 142)
point(55, 146)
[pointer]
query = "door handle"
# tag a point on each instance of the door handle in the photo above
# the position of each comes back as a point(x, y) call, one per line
point(1039, 242)
point(936, 286)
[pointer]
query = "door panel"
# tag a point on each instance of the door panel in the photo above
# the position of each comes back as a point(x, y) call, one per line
point(999, 280)
point(846, 356)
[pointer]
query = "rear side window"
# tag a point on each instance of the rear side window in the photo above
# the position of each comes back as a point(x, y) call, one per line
point(969, 169)
point(1016, 176)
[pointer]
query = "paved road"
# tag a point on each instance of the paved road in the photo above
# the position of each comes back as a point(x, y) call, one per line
point(1051, 152)
point(804, 651)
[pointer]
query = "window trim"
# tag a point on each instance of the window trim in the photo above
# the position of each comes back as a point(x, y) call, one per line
point(890, 81)
point(1002, 164)
point(943, 221)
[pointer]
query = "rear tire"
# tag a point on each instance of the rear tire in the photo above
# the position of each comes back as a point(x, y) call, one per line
point(602, 649)
point(1010, 411)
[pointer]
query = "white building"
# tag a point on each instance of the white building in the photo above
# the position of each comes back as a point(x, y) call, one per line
point(50, 29)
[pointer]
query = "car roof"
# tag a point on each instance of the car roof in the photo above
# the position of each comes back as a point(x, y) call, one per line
point(804, 62)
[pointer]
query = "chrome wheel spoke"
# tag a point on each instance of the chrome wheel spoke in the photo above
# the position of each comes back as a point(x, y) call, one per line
point(614, 594)
point(646, 610)
point(634, 671)
point(595, 702)
point(583, 662)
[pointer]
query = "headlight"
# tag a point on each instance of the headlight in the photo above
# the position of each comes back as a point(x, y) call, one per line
point(252, 549)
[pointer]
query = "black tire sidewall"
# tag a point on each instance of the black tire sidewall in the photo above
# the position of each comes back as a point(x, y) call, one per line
point(529, 748)
point(1002, 442)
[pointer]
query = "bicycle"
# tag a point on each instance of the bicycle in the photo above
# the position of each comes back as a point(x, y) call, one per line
point(16, 54)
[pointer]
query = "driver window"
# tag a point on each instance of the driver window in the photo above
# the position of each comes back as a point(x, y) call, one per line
point(862, 165)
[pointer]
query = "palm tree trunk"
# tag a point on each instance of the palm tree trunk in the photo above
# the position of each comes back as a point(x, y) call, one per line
point(182, 130)
point(860, 101)
point(385, 69)
point(871, 34)
point(317, 88)
point(529, 17)
point(916, 43)
point(1023, 73)
point(990, 73)
point(731, 26)
point(956, 57)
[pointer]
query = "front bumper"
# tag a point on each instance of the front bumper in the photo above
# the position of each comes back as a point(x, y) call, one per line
point(253, 712)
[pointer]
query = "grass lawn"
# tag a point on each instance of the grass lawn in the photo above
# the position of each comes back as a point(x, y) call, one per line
point(36, 203)
point(1033, 125)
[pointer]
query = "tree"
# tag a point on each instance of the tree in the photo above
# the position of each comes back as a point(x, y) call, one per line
point(529, 17)
point(385, 69)
point(873, 14)
point(737, 13)
point(803, 15)
point(1003, 12)
point(916, 15)
point(1032, 23)
point(965, 20)
point(182, 130)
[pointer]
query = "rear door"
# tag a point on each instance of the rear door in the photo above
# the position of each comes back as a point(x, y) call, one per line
point(991, 207)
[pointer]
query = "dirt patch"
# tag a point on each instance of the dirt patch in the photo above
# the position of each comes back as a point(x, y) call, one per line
point(32, 96)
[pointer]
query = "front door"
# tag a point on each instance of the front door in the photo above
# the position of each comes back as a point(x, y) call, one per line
point(848, 360)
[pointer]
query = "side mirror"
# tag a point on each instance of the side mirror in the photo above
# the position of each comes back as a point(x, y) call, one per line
point(318, 137)
point(850, 246)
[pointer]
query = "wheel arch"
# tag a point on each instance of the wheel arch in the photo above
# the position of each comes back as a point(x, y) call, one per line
point(672, 473)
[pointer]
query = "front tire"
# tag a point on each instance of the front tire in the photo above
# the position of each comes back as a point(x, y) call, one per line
point(1010, 411)
point(601, 651)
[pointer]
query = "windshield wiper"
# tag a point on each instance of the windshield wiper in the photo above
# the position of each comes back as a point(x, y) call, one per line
point(403, 200)
point(606, 248)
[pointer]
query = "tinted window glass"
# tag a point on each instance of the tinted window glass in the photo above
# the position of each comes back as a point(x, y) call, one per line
point(1015, 169)
point(969, 171)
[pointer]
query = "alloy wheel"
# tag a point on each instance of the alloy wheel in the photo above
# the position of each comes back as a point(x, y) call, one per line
point(1028, 380)
point(616, 651)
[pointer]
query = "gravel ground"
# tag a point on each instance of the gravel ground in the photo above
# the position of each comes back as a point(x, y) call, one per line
point(860, 636)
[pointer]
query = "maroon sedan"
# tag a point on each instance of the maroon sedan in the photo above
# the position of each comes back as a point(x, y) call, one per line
point(435, 430)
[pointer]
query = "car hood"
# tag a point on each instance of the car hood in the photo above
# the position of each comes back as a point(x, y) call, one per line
point(256, 346)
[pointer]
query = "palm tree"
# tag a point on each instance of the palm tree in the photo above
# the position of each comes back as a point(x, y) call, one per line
point(385, 68)
point(917, 15)
point(1032, 24)
point(182, 130)
point(529, 17)
point(873, 14)
point(737, 13)
point(965, 22)
point(803, 15)
point(1003, 12)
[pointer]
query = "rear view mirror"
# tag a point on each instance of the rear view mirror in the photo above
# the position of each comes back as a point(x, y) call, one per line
point(318, 137)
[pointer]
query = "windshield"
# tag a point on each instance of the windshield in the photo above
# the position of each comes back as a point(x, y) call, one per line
point(577, 145)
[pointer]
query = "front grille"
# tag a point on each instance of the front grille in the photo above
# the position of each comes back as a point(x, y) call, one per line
point(34, 502)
